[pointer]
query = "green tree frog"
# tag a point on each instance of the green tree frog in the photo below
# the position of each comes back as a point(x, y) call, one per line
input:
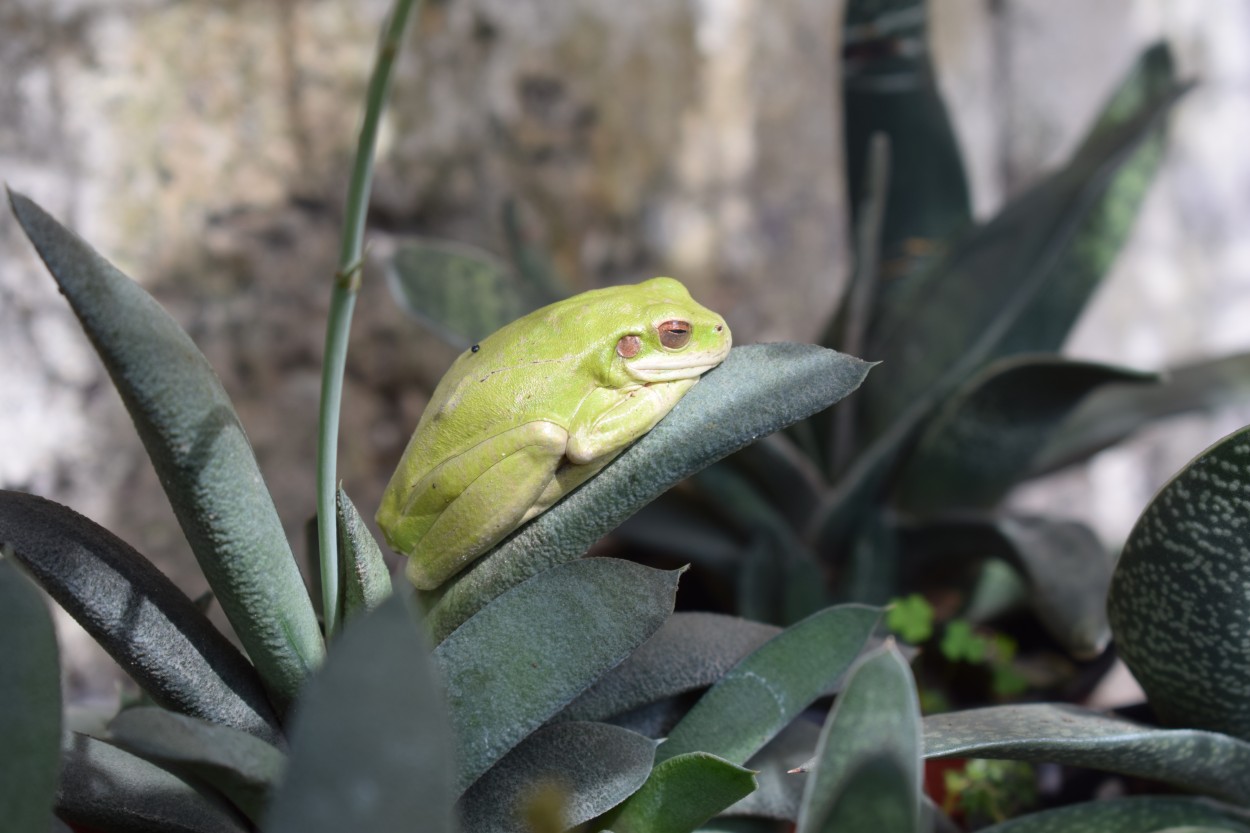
point(537, 408)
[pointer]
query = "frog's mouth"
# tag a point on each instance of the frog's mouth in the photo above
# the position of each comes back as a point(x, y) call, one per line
point(669, 368)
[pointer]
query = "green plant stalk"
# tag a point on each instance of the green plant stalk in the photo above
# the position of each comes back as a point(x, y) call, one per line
point(343, 302)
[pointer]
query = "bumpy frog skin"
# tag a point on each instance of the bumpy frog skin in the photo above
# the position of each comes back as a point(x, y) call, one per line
point(537, 408)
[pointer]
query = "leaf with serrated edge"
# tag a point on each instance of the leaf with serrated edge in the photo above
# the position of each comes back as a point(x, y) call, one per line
point(758, 389)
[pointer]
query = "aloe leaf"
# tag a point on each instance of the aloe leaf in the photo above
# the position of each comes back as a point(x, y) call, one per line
point(690, 651)
point(241, 767)
point(984, 437)
point(1178, 601)
point(459, 291)
point(197, 444)
point(109, 790)
point(867, 766)
point(757, 390)
point(592, 766)
point(1205, 762)
point(579, 620)
point(1149, 814)
point(367, 581)
point(30, 703)
point(370, 743)
point(1018, 283)
point(682, 793)
point(772, 685)
point(137, 615)
point(1113, 413)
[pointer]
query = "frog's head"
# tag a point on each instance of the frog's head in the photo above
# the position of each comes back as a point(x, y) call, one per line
point(670, 336)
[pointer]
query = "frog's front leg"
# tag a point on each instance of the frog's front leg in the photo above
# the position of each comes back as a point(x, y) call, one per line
point(610, 419)
point(470, 502)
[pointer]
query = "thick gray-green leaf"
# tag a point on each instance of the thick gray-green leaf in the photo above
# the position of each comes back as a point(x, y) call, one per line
point(109, 790)
point(242, 767)
point(30, 702)
point(690, 651)
point(681, 794)
point(772, 686)
point(1018, 283)
point(367, 581)
point(780, 791)
point(370, 742)
point(867, 770)
point(136, 614)
point(1066, 568)
point(984, 437)
point(461, 292)
point(1205, 762)
point(595, 766)
point(1178, 602)
point(534, 649)
point(1113, 413)
point(758, 390)
point(1125, 815)
point(197, 444)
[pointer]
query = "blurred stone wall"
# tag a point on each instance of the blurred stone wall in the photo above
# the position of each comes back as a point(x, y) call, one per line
point(203, 147)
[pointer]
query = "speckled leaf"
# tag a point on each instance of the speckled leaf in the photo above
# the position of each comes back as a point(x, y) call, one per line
point(593, 765)
point(461, 292)
point(197, 444)
point(1178, 602)
point(1113, 413)
point(367, 581)
point(867, 765)
point(690, 651)
point(1205, 762)
point(682, 793)
point(242, 767)
point(758, 390)
point(1125, 815)
point(530, 652)
point(772, 685)
point(1018, 283)
point(984, 437)
point(109, 790)
point(30, 702)
point(136, 614)
point(370, 743)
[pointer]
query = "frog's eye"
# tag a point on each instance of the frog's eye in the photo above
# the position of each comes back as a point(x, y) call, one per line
point(674, 334)
point(628, 346)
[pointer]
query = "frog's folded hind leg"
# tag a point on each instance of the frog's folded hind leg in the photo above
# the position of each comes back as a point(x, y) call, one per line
point(473, 500)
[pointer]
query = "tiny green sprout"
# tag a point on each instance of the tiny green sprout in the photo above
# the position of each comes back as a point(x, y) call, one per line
point(911, 619)
point(960, 642)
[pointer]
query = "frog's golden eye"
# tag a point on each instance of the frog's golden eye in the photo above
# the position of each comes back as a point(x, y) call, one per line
point(674, 334)
point(628, 346)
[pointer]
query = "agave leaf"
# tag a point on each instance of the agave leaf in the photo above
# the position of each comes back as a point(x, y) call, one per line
point(1205, 762)
point(781, 473)
point(780, 791)
point(1150, 814)
point(367, 580)
point(109, 790)
point(682, 793)
point(772, 685)
point(460, 292)
point(984, 437)
point(1018, 283)
point(197, 444)
point(137, 615)
point(677, 524)
point(1113, 413)
point(593, 767)
point(1178, 599)
point(529, 653)
point(242, 767)
point(757, 390)
point(370, 743)
point(867, 770)
point(30, 703)
point(690, 651)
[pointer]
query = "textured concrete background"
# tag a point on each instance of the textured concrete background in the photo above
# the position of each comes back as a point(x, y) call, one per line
point(202, 146)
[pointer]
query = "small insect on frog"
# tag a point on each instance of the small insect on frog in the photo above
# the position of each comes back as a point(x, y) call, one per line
point(537, 408)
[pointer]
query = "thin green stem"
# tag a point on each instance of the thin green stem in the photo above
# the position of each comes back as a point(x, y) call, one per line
point(342, 302)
